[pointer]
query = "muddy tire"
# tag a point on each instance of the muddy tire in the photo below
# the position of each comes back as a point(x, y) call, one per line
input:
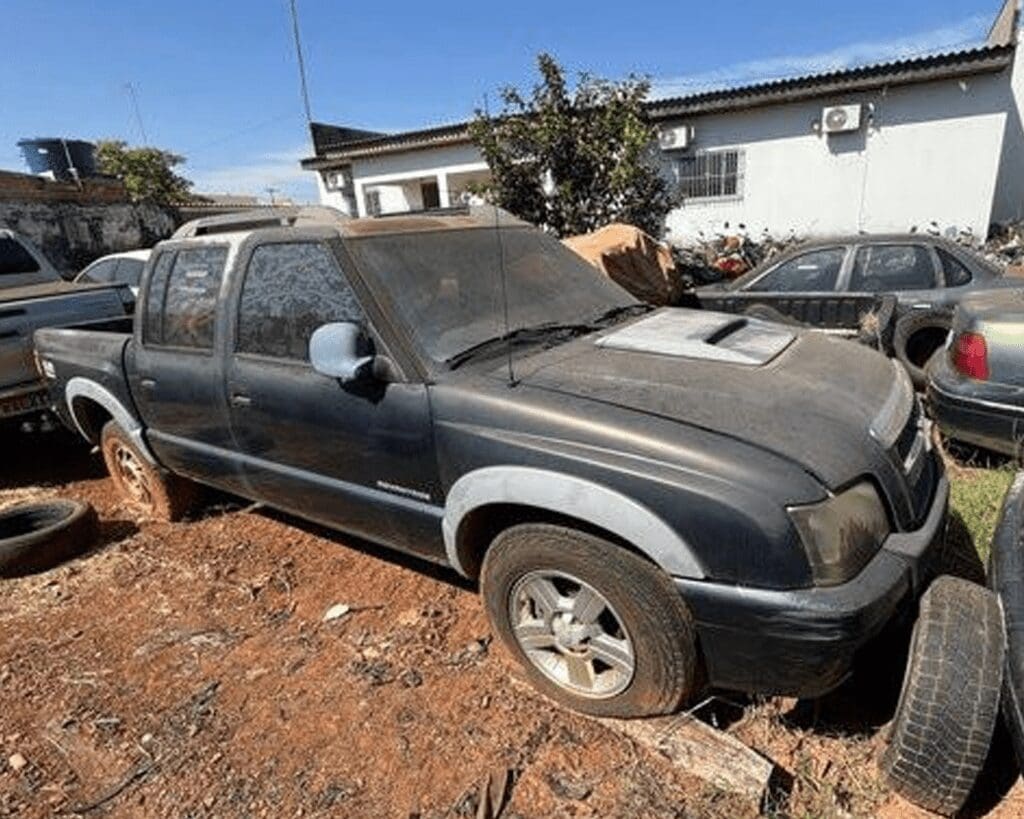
point(37, 536)
point(917, 338)
point(152, 490)
point(596, 628)
point(947, 710)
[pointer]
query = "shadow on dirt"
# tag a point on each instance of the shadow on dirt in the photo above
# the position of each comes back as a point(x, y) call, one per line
point(997, 777)
point(47, 459)
point(217, 503)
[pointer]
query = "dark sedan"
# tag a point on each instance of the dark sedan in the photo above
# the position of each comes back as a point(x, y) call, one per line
point(976, 390)
point(832, 283)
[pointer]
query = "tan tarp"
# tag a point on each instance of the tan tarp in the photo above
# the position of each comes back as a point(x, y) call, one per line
point(632, 259)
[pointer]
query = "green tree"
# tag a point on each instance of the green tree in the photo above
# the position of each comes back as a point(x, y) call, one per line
point(147, 173)
point(572, 162)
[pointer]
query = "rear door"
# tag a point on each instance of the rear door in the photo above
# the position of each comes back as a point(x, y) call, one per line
point(175, 372)
point(358, 457)
point(902, 269)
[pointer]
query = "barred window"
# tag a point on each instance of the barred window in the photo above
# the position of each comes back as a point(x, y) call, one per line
point(710, 174)
point(371, 202)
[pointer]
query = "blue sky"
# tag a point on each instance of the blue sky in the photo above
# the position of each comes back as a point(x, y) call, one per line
point(217, 81)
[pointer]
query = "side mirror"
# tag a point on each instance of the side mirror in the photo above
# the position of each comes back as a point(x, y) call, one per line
point(334, 350)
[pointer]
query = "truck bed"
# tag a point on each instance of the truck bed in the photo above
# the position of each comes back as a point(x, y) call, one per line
point(94, 350)
point(24, 310)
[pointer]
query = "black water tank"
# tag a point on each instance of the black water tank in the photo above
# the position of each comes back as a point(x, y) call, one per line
point(51, 156)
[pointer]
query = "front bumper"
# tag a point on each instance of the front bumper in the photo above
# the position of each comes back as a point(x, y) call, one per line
point(802, 642)
point(974, 413)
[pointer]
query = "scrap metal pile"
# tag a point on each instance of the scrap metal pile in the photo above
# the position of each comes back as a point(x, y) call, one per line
point(727, 255)
point(1005, 246)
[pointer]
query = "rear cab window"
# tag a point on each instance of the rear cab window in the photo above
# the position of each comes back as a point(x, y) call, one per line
point(14, 258)
point(181, 300)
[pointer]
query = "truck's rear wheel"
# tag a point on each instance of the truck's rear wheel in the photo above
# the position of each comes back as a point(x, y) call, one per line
point(154, 491)
point(596, 627)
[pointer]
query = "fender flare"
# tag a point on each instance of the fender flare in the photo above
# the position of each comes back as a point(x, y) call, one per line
point(79, 387)
point(568, 495)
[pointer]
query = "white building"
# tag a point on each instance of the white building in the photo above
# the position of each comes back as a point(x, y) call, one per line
point(879, 148)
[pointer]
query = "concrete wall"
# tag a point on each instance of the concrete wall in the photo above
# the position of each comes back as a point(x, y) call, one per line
point(1008, 205)
point(71, 235)
point(928, 153)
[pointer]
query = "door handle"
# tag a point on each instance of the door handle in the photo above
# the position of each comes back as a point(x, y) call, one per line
point(240, 400)
point(147, 383)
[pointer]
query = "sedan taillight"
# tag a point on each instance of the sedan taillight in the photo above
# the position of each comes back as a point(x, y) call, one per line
point(970, 355)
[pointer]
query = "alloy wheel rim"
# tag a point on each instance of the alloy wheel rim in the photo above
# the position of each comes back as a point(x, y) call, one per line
point(133, 475)
point(571, 633)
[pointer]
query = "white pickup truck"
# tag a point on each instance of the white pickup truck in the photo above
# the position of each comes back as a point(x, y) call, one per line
point(33, 295)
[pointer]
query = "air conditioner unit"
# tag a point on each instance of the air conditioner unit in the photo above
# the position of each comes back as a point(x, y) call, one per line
point(338, 180)
point(675, 137)
point(841, 119)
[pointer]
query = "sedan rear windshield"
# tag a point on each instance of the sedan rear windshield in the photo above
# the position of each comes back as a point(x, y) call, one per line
point(447, 286)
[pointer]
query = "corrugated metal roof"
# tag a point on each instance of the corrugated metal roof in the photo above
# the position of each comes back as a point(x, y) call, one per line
point(981, 60)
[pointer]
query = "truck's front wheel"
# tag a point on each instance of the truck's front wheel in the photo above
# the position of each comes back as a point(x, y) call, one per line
point(596, 627)
point(155, 492)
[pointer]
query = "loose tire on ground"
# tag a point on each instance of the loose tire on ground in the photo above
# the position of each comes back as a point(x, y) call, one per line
point(37, 536)
point(917, 337)
point(629, 612)
point(947, 709)
point(153, 490)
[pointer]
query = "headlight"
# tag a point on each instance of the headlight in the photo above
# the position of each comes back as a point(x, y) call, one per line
point(842, 533)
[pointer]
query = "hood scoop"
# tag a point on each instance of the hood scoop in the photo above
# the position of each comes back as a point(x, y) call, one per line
point(702, 335)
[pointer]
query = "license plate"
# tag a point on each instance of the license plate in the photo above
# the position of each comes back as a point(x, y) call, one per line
point(20, 404)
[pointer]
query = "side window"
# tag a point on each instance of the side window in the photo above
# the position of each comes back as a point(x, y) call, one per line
point(190, 305)
point(153, 321)
point(883, 268)
point(289, 290)
point(953, 272)
point(129, 271)
point(813, 272)
point(102, 271)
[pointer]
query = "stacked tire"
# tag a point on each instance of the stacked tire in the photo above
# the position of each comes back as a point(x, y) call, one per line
point(947, 710)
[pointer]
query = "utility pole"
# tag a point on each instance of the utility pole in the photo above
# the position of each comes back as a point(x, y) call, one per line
point(302, 62)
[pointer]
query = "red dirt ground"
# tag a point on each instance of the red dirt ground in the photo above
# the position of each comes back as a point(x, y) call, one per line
point(184, 670)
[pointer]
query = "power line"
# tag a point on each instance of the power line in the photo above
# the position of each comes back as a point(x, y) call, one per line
point(302, 62)
point(134, 100)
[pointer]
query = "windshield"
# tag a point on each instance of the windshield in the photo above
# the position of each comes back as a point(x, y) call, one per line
point(446, 285)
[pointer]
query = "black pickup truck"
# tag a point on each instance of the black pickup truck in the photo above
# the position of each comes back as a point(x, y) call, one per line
point(653, 501)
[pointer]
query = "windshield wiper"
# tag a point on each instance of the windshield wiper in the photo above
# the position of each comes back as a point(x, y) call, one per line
point(523, 334)
point(552, 331)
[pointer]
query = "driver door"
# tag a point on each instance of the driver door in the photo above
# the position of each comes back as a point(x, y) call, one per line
point(356, 457)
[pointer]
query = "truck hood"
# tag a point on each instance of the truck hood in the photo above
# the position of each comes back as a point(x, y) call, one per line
point(802, 395)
